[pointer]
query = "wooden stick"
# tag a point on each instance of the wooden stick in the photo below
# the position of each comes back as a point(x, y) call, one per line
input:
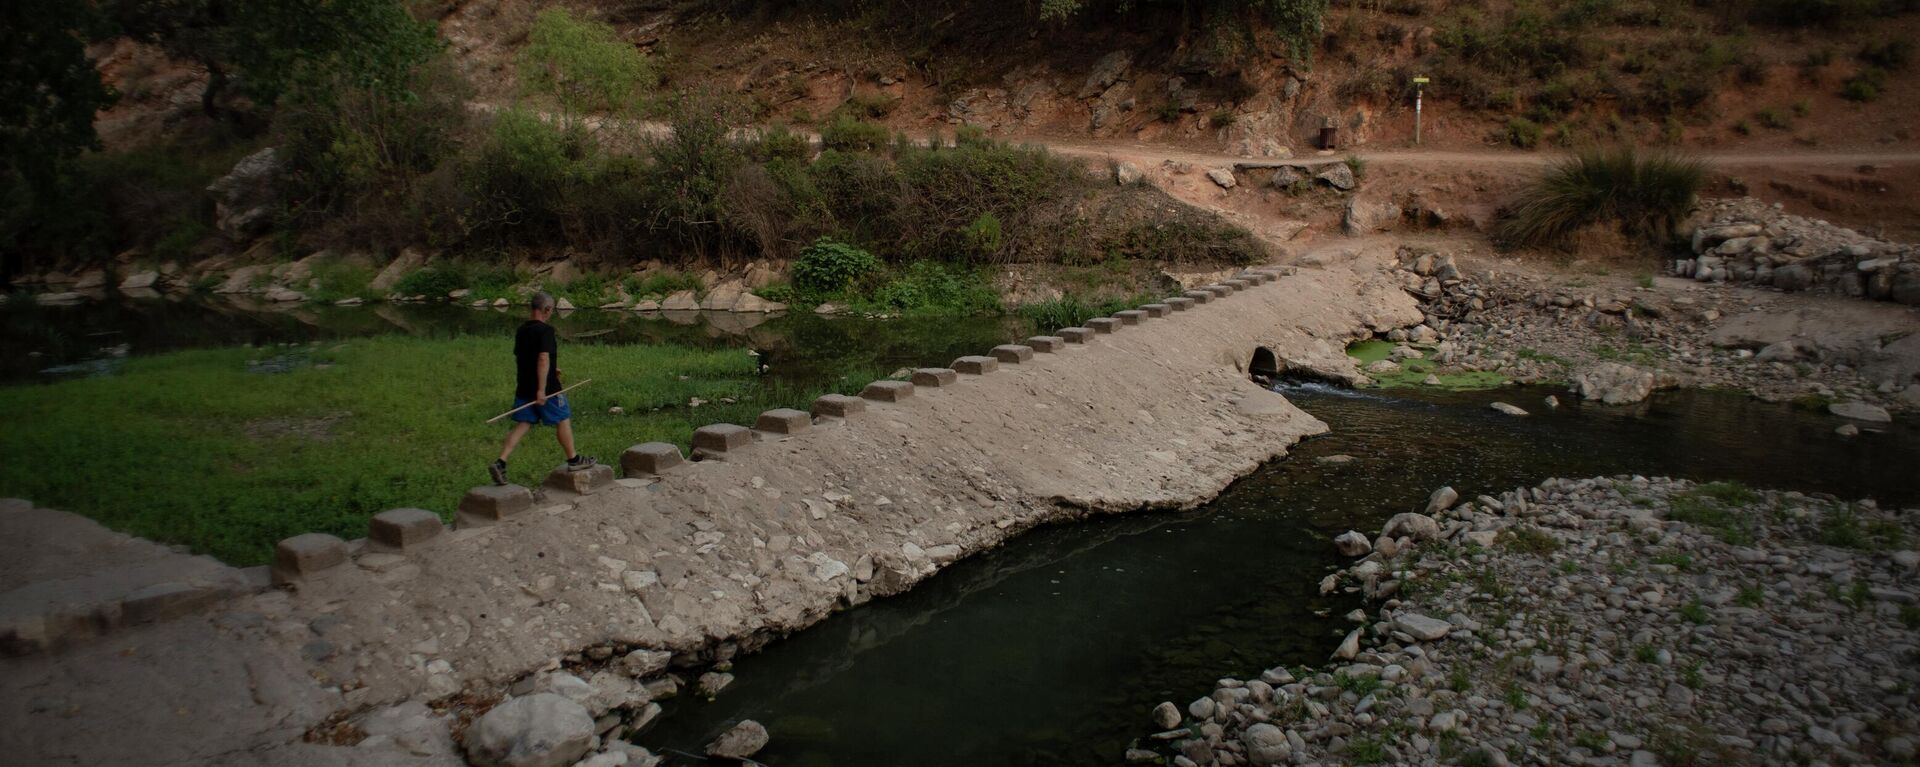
point(531, 404)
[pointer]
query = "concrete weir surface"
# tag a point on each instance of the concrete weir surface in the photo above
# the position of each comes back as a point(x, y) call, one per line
point(767, 533)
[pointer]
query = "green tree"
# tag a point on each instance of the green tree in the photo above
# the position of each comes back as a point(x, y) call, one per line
point(262, 49)
point(49, 91)
point(583, 64)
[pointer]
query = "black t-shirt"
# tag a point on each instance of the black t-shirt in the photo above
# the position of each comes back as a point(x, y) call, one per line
point(533, 338)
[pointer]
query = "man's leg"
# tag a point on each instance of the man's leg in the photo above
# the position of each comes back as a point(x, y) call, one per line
point(520, 429)
point(564, 430)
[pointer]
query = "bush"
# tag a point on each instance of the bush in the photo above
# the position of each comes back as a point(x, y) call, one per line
point(1072, 310)
point(927, 287)
point(519, 185)
point(849, 134)
point(583, 64)
point(828, 267)
point(1523, 133)
point(1864, 86)
point(435, 281)
point(1891, 55)
point(1643, 195)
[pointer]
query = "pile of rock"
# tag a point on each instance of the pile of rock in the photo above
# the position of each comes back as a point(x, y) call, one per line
point(1583, 622)
point(1746, 240)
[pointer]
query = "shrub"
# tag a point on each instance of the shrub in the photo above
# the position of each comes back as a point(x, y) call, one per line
point(1865, 85)
point(848, 134)
point(927, 287)
point(1891, 55)
point(435, 281)
point(828, 267)
point(1643, 195)
point(1773, 118)
point(582, 63)
point(519, 184)
point(1523, 133)
point(1072, 310)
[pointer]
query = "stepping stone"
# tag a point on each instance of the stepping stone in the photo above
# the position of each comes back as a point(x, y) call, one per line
point(720, 438)
point(307, 556)
point(976, 365)
point(784, 420)
point(1199, 296)
point(1180, 304)
point(650, 459)
point(403, 529)
point(1012, 354)
point(167, 600)
point(838, 405)
point(1238, 285)
point(1156, 311)
point(1130, 317)
point(583, 482)
point(887, 391)
point(1046, 344)
point(1104, 325)
point(934, 378)
point(1075, 335)
point(492, 503)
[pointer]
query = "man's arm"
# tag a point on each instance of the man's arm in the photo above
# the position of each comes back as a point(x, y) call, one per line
point(540, 374)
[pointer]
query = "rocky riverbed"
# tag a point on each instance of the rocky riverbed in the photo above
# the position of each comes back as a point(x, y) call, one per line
point(1620, 620)
point(1818, 351)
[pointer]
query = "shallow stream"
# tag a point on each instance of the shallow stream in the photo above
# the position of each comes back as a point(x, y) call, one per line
point(1053, 649)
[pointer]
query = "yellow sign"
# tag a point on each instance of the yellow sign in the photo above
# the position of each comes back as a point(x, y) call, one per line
point(1421, 80)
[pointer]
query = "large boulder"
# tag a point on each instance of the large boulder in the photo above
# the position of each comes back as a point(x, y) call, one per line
point(1107, 71)
point(1367, 216)
point(1613, 383)
point(1419, 527)
point(1266, 745)
point(243, 200)
point(1339, 175)
point(408, 262)
point(542, 730)
point(744, 740)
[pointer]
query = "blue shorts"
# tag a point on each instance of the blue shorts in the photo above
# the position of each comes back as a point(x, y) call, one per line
point(550, 414)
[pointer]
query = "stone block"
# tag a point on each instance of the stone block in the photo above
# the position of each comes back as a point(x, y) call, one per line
point(1156, 310)
point(838, 405)
point(934, 378)
point(887, 391)
point(492, 503)
point(404, 529)
point(1180, 304)
point(650, 459)
point(719, 438)
point(1103, 325)
point(1238, 285)
point(166, 600)
point(1199, 296)
point(1046, 344)
point(1012, 354)
point(307, 555)
point(976, 365)
point(783, 420)
point(582, 482)
point(1218, 291)
point(1075, 335)
point(1130, 317)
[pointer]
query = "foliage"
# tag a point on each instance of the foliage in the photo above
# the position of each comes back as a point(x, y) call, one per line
point(1523, 133)
point(927, 287)
point(1718, 507)
point(847, 133)
point(49, 91)
point(583, 64)
point(1072, 310)
point(1297, 22)
point(829, 267)
point(1641, 194)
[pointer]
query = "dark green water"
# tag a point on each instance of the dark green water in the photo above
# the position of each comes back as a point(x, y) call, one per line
point(1053, 649)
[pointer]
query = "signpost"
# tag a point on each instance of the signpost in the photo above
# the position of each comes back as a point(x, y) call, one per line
point(1419, 91)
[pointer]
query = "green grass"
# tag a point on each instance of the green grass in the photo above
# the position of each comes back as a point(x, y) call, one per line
point(195, 448)
point(1717, 507)
point(1414, 373)
point(1695, 613)
point(1072, 310)
point(1527, 539)
point(1640, 194)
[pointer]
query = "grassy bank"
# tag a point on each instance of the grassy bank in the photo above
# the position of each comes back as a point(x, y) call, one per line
point(230, 450)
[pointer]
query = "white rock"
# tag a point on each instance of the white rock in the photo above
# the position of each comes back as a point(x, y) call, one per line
point(1508, 409)
point(542, 730)
point(1422, 627)
point(1223, 177)
point(1860, 411)
point(1419, 527)
point(1441, 500)
point(1352, 544)
point(744, 740)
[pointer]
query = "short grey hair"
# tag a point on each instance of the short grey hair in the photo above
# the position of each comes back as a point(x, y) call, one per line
point(541, 301)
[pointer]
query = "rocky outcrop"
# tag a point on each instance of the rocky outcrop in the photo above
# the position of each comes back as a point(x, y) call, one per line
point(243, 200)
point(1749, 241)
point(541, 730)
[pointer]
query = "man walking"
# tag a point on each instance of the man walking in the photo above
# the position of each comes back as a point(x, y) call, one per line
point(536, 354)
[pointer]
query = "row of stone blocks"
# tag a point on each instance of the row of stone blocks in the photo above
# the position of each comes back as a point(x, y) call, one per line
point(404, 530)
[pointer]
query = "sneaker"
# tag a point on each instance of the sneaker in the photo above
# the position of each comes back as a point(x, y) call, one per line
point(580, 463)
point(498, 469)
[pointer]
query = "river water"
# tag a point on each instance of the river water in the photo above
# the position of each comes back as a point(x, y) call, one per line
point(1052, 650)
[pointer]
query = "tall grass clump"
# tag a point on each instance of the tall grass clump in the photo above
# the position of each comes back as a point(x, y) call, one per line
point(1642, 194)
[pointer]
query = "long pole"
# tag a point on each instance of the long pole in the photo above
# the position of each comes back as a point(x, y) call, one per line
point(1418, 92)
point(531, 404)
